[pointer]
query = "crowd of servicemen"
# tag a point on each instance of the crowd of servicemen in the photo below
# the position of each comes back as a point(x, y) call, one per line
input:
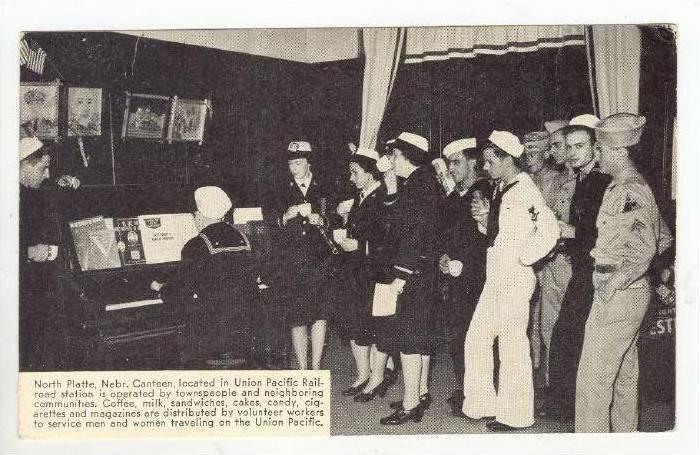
point(539, 247)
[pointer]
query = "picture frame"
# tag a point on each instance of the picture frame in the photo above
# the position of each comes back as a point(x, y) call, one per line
point(84, 111)
point(187, 120)
point(38, 107)
point(146, 116)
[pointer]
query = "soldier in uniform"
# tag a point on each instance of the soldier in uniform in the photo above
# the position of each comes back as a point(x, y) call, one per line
point(628, 235)
point(301, 212)
point(580, 236)
point(412, 218)
point(463, 248)
point(520, 229)
point(214, 289)
point(552, 284)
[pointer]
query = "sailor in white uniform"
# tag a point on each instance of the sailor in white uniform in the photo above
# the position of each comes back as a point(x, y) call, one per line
point(521, 229)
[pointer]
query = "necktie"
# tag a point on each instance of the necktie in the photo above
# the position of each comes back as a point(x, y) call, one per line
point(494, 211)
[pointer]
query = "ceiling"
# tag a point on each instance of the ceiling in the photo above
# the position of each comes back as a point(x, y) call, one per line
point(307, 45)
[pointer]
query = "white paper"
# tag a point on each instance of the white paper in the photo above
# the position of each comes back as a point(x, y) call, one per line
point(242, 215)
point(164, 236)
point(384, 303)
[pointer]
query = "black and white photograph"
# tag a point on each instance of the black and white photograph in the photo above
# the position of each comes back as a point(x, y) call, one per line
point(471, 228)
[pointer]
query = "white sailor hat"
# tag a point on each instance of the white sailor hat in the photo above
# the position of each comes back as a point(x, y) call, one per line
point(298, 149)
point(457, 146)
point(508, 142)
point(554, 125)
point(536, 141)
point(367, 153)
point(29, 145)
point(588, 120)
point(620, 130)
point(212, 202)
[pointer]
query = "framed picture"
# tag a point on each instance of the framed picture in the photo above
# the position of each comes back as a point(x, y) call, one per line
point(38, 108)
point(84, 111)
point(145, 116)
point(187, 120)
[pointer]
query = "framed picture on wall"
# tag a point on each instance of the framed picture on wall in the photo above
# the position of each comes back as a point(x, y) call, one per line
point(84, 111)
point(145, 116)
point(38, 108)
point(187, 120)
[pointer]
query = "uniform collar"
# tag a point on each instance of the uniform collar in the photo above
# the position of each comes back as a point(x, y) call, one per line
point(306, 181)
point(370, 190)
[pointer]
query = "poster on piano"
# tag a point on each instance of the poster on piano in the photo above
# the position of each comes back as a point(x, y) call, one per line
point(164, 235)
point(129, 244)
point(95, 245)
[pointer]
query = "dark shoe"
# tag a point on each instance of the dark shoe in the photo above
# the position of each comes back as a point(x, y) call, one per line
point(363, 397)
point(456, 406)
point(401, 416)
point(499, 427)
point(352, 391)
point(425, 401)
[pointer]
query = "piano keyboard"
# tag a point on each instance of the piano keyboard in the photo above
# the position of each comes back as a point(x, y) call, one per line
point(133, 304)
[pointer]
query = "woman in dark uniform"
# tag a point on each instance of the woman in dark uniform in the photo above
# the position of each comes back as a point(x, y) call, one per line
point(306, 247)
point(364, 259)
point(413, 223)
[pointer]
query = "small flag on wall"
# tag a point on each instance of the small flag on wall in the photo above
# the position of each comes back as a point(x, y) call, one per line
point(37, 58)
point(33, 58)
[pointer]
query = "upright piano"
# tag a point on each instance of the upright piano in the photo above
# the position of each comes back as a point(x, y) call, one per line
point(110, 318)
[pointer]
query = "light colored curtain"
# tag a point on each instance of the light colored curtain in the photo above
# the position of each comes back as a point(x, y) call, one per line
point(442, 43)
point(616, 57)
point(382, 48)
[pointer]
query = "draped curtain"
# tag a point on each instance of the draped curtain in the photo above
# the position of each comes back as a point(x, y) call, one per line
point(382, 48)
point(616, 62)
point(442, 43)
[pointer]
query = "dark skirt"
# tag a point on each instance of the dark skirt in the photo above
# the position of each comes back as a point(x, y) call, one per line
point(412, 329)
point(353, 304)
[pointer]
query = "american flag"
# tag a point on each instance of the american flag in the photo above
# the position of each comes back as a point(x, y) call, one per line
point(24, 51)
point(37, 58)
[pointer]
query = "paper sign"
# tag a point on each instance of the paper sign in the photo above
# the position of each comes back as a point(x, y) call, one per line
point(384, 303)
point(345, 206)
point(242, 215)
point(339, 235)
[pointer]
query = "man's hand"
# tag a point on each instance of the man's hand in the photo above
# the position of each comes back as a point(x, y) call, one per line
point(390, 181)
point(68, 181)
point(444, 264)
point(156, 286)
point(397, 286)
point(38, 253)
point(567, 230)
point(479, 208)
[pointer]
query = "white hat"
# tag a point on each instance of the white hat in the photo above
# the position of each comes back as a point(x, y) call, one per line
point(536, 141)
point(620, 130)
point(585, 120)
point(212, 202)
point(28, 145)
point(414, 140)
point(554, 125)
point(458, 146)
point(367, 153)
point(298, 149)
point(508, 142)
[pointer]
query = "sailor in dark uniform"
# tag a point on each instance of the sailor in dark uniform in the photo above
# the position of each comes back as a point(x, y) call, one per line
point(463, 248)
point(214, 289)
point(580, 234)
point(413, 223)
point(364, 258)
point(302, 211)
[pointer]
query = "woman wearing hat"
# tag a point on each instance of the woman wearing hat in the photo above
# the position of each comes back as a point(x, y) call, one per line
point(301, 214)
point(364, 260)
point(413, 222)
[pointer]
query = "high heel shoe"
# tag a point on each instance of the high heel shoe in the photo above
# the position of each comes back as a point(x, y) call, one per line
point(354, 390)
point(401, 416)
point(425, 401)
point(369, 396)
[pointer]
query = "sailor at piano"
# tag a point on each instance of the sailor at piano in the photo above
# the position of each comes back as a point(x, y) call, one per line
point(214, 289)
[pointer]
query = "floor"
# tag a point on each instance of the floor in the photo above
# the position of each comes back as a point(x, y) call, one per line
point(351, 418)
